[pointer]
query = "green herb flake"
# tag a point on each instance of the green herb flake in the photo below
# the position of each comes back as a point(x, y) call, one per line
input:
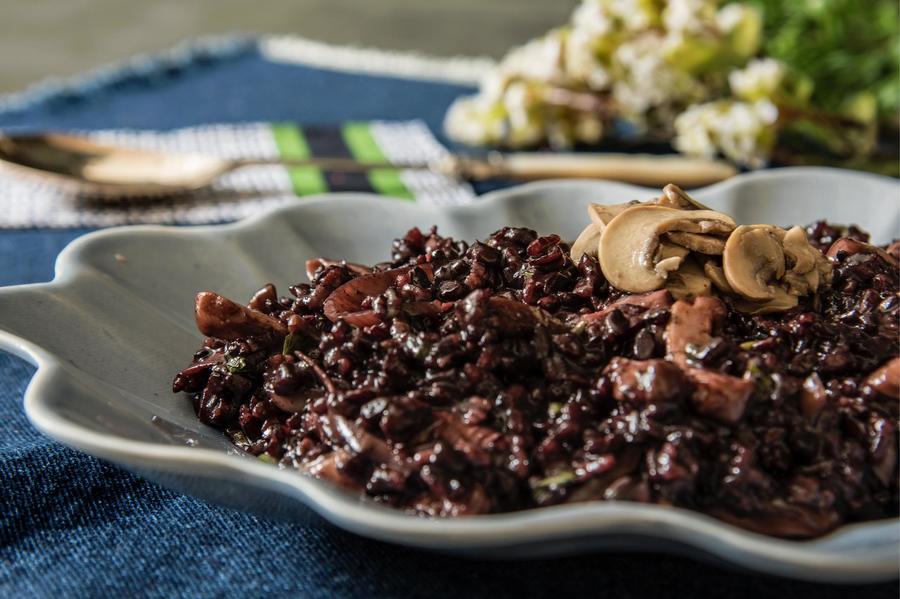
point(554, 409)
point(265, 457)
point(756, 374)
point(562, 479)
point(291, 344)
point(236, 365)
point(240, 439)
point(423, 351)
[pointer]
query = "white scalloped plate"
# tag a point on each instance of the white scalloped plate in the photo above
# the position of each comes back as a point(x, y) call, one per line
point(110, 330)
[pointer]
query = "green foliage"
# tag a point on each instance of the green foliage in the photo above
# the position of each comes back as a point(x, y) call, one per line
point(846, 47)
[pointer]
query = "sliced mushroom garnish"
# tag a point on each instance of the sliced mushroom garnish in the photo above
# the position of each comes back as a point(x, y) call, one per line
point(601, 214)
point(588, 242)
point(809, 267)
point(715, 274)
point(781, 300)
point(707, 222)
point(674, 242)
point(670, 257)
point(675, 197)
point(797, 248)
point(753, 259)
point(703, 244)
point(689, 281)
point(629, 245)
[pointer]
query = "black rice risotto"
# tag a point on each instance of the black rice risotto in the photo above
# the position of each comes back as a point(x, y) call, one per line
point(503, 375)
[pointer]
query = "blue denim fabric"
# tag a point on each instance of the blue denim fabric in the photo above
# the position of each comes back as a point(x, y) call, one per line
point(74, 526)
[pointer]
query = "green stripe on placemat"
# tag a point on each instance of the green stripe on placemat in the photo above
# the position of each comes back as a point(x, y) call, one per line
point(306, 180)
point(363, 147)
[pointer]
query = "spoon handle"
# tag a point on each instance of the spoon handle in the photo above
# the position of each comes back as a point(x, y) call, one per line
point(344, 165)
point(639, 169)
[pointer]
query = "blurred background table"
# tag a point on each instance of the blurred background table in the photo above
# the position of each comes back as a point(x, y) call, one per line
point(67, 38)
point(75, 526)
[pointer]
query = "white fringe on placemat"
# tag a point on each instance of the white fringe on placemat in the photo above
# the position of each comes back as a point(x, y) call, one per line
point(407, 65)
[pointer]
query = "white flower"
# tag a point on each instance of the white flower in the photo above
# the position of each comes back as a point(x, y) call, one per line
point(692, 135)
point(730, 16)
point(592, 18)
point(741, 26)
point(760, 79)
point(493, 84)
point(605, 17)
point(520, 103)
point(650, 58)
point(472, 120)
point(539, 59)
point(635, 15)
point(646, 80)
point(741, 131)
point(582, 63)
point(692, 16)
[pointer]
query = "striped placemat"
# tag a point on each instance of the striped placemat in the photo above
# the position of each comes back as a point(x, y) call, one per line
point(25, 203)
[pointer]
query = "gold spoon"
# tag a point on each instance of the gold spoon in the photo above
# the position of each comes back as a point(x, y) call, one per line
point(90, 169)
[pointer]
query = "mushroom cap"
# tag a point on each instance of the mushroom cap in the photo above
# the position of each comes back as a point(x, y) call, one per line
point(697, 242)
point(715, 274)
point(670, 257)
point(796, 247)
point(689, 281)
point(601, 214)
point(629, 245)
point(752, 259)
point(809, 267)
point(781, 300)
point(588, 242)
point(706, 222)
point(675, 197)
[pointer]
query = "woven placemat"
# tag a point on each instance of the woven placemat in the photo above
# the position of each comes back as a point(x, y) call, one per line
point(26, 203)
